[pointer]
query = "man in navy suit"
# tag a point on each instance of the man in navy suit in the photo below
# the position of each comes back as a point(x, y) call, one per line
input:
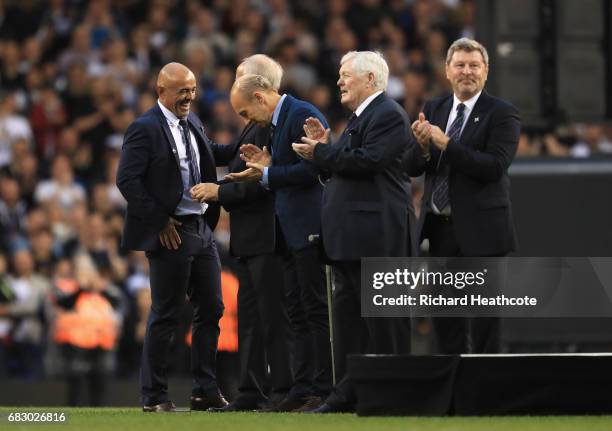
point(366, 207)
point(165, 153)
point(468, 141)
point(263, 325)
point(297, 204)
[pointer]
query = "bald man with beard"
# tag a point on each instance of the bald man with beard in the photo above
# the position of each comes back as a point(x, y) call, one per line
point(165, 153)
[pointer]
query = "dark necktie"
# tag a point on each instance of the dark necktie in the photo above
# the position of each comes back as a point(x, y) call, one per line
point(194, 170)
point(440, 195)
point(351, 120)
point(271, 130)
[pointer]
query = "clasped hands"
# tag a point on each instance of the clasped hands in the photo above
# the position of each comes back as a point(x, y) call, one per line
point(315, 134)
point(427, 133)
point(256, 159)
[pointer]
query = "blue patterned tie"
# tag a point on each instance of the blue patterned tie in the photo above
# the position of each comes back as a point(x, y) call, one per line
point(194, 170)
point(440, 195)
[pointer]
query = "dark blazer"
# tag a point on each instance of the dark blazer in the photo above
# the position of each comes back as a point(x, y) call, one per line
point(479, 186)
point(294, 180)
point(149, 177)
point(366, 202)
point(250, 205)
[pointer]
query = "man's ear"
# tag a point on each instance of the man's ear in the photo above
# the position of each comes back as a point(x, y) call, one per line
point(259, 97)
point(371, 79)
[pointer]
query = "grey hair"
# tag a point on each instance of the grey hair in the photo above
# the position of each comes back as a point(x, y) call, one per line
point(261, 64)
point(373, 62)
point(467, 45)
point(248, 84)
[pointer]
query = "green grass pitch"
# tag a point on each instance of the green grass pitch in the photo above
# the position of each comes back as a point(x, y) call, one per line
point(119, 419)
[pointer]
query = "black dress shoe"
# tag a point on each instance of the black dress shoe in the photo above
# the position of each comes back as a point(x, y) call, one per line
point(235, 406)
point(208, 401)
point(326, 408)
point(293, 404)
point(168, 406)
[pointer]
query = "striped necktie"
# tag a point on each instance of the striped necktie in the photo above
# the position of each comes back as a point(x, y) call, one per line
point(194, 170)
point(440, 196)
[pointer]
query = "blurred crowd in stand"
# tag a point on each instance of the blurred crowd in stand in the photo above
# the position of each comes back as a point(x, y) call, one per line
point(75, 73)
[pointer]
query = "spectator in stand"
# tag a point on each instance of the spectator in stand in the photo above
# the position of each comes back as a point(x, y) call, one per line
point(591, 142)
point(61, 188)
point(102, 249)
point(86, 328)
point(47, 117)
point(25, 351)
point(13, 127)
point(44, 252)
point(12, 213)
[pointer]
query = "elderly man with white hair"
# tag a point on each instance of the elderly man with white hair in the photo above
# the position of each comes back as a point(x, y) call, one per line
point(366, 207)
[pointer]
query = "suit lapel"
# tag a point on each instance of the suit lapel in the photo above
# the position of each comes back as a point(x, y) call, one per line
point(282, 117)
point(440, 118)
point(207, 165)
point(168, 134)
point(372, 105)
point(245, 130)
point(475, 119)
point(441, 115)
point(353, 127)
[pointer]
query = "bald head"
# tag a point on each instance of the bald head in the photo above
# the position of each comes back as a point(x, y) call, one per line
point(254, 98)
point(248, 85)
point(176, 88)
point(260, 64)
point(172, 72)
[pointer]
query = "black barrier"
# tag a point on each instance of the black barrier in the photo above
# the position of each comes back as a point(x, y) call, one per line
point(466, 385)
point(561, 208)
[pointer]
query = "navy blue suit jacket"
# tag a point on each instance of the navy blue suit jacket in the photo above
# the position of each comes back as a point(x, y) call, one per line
point(367, 201)
point(149, 177)
point(250, 205)
point(294, 180)
point(479, 186)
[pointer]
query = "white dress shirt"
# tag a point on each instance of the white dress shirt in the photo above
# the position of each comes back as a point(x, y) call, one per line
point(187, 205)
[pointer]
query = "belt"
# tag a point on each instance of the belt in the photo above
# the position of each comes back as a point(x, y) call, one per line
point(188, 218)
point(441, 217)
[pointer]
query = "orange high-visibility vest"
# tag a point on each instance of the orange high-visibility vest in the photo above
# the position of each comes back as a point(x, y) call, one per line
point(91, 324)
point(228, 337)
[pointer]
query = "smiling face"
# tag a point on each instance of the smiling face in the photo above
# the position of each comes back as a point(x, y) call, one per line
point(176, 92)
point(467, 73)
point(354, 88)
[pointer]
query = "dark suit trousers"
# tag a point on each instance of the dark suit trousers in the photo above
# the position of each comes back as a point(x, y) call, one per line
point(263, 329)
point(356, 335)
point(193, 269)
point(307, 309)
point(456, 335)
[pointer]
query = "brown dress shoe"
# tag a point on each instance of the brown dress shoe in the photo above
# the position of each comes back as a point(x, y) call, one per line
point(168, 406)
point(206, 402)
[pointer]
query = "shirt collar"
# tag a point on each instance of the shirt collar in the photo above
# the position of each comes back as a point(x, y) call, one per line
point(172, 119)
point(277, 110)
point(365, 103)
point(469, 104)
